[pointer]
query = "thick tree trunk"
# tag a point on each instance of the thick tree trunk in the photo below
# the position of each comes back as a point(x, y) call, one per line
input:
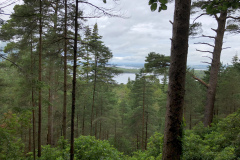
point(211, 92)
point(40, 79)
point(64, 120)
point(172, 148)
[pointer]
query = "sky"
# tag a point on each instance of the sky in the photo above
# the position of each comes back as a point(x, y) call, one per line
point(131, 39)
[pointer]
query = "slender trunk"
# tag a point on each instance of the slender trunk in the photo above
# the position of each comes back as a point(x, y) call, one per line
point(211, 92)
point(146, 136)
point(74, 82)
point(77, 126)
point(64, 121)
point(115, 133)
point(100, 127)
point(83, 120)
point(172, 147)
point(30, 138)
point(93, 98)
point(33, 104)
point(137, 142)
point(49, 135)
point(40, 89)
point(143, 113)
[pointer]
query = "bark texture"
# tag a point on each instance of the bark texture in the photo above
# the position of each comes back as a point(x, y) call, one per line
point(172, 149)
point(215, 65)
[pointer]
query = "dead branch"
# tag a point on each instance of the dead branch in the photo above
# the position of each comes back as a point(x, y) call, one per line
point(204, 51)
point(103, 10)
point(201, 81)
point(199, 16)
point(208, 36)
point(226, 48)
point(236, 18)
point(208, 57)
point(205, 43)
point(214, 30)
point(2, 56)
point(206, 62)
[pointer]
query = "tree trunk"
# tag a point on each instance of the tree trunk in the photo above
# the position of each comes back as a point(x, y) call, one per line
point(146, 136)
point(64, 120)
point(33, 103)
point(49, 135)
point(40, 79)
point(74, 82)
point(211, 92)
point(83, 121)
point(172, 147)
point(143, 113)
point(93, 98)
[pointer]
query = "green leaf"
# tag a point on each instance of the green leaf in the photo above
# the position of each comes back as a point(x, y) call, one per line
point(153, 7)
point(163, 1)
point(159, 9)
point(151, 2)
point(104, 1)
point(164, 7)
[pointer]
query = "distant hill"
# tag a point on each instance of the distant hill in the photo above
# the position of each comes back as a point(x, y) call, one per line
point(141, 65)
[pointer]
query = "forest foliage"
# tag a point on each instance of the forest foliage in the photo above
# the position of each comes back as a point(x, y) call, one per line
point(112, 121)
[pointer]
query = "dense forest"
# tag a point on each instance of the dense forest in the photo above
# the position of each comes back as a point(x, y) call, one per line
point(58, 98)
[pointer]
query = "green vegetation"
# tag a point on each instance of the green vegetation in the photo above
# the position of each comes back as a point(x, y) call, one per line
point(48, 113)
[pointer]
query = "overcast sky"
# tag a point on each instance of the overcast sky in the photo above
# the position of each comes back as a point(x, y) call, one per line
point(131, 39)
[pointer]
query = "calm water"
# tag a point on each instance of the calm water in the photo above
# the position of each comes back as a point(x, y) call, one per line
point(123, 78)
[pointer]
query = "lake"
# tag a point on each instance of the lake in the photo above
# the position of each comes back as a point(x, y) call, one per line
point(123, 78)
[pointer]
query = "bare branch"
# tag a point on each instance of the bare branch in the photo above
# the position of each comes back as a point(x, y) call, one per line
point(91, 17)
point(204, 51)
point(199, 16)
point(208, 36)
point(208, 57)
point(205, 43)
point(226, 48)
point(206, 62)
point(236, 18)
point(170, 21)
point(103, 10)
point(216, 17)
point(2, 56)
point(214, 30)
point(201, 81)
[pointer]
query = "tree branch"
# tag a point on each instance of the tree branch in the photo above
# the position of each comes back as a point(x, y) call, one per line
point(236, 18)
point(204, 51)
point(103, 10)
point(204, 43)
point(200, 81)
point(208, 57)
point(225, 48)
point(208, 36)
point(10, 61)
point(199, 16)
